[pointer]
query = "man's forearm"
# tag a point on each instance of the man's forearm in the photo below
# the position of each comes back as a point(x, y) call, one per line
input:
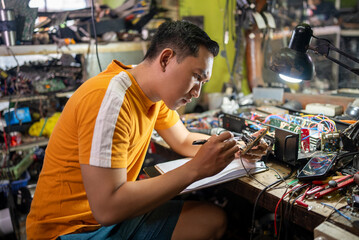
point(135, 198)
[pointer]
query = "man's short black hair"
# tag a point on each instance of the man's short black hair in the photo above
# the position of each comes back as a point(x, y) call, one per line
point(183, 37)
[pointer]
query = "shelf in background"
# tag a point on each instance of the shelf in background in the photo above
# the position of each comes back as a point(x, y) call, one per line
point(26, 146)
point(79, 48)
point(317, 31)
point(34, 97)
point(349, 33)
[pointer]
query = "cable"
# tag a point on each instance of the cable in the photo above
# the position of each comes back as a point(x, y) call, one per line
point(276, 208)
point(289, 213)
point(275, 212)
point(335, 206)
point(294, 190)
point(258, 197)
point(95, 33)
point(338, 211)
point(281, 222)
point(255, 205)
point(249, 174)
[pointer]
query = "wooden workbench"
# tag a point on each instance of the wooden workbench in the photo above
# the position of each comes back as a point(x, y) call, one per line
point(308, 218)
point(248, 188)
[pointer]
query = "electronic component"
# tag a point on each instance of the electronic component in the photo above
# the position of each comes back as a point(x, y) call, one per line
point(350, 137)
point(42, 77)
point(49, 85)
point(233, 123)
point(330, 142)
point(317, 167)
point(305, 140)
point(14, 172)
point(254, 140)
point(285, 125)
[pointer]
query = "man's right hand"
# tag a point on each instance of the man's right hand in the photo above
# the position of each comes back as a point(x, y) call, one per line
point(214, 155)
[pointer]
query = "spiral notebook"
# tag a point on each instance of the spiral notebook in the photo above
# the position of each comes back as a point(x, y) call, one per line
point(233, 171)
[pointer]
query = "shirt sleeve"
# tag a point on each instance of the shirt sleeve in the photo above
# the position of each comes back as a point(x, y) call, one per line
point(86, 112)
point(101, 136)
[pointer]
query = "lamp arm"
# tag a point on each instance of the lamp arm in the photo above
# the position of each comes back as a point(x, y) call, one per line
point(327, 46)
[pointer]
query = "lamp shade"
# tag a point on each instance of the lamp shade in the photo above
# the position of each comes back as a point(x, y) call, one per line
point(293, 63)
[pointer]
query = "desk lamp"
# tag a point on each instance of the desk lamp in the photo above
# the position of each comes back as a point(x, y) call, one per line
point(293, 64)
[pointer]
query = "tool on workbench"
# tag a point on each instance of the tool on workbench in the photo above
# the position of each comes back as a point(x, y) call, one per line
point(300, 201)
point(326, 185)
point(329, 190)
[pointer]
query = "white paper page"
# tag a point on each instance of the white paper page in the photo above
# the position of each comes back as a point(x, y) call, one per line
point(235, 166)
point(170, 165)
point(233, 170)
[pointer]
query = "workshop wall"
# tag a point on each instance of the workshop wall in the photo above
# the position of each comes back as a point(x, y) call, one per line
point(113, 3)
point(215, 23)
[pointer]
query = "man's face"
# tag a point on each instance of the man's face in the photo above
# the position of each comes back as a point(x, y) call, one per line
point(184, 80)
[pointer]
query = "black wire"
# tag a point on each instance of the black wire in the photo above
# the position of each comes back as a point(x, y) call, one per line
point(290, 211)
point(281, 219)
point(290, 198)
point(260, 194)
point(95, 33)
point(256, 202)
point(249, 174)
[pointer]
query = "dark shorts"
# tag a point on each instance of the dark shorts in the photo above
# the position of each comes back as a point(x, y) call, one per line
point(157, 224)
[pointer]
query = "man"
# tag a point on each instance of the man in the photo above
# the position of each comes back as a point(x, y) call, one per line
point(87, 186)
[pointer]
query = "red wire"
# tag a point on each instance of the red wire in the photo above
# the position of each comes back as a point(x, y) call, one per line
point(276, 207)
point(5, 141)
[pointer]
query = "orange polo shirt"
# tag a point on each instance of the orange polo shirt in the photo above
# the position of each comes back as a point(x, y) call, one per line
point(107, 122)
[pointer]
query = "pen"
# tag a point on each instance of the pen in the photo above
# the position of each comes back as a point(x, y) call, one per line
point(199, 142)
point(203, 141)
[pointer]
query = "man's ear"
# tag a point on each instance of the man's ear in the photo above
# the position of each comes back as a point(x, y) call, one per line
point(166, 56)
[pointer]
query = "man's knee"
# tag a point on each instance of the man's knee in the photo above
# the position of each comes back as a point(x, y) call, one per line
point(220, 221)
point(200, 221)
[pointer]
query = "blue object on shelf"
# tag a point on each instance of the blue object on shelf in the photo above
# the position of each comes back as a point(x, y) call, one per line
point(15, 185)
point(22, 114)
